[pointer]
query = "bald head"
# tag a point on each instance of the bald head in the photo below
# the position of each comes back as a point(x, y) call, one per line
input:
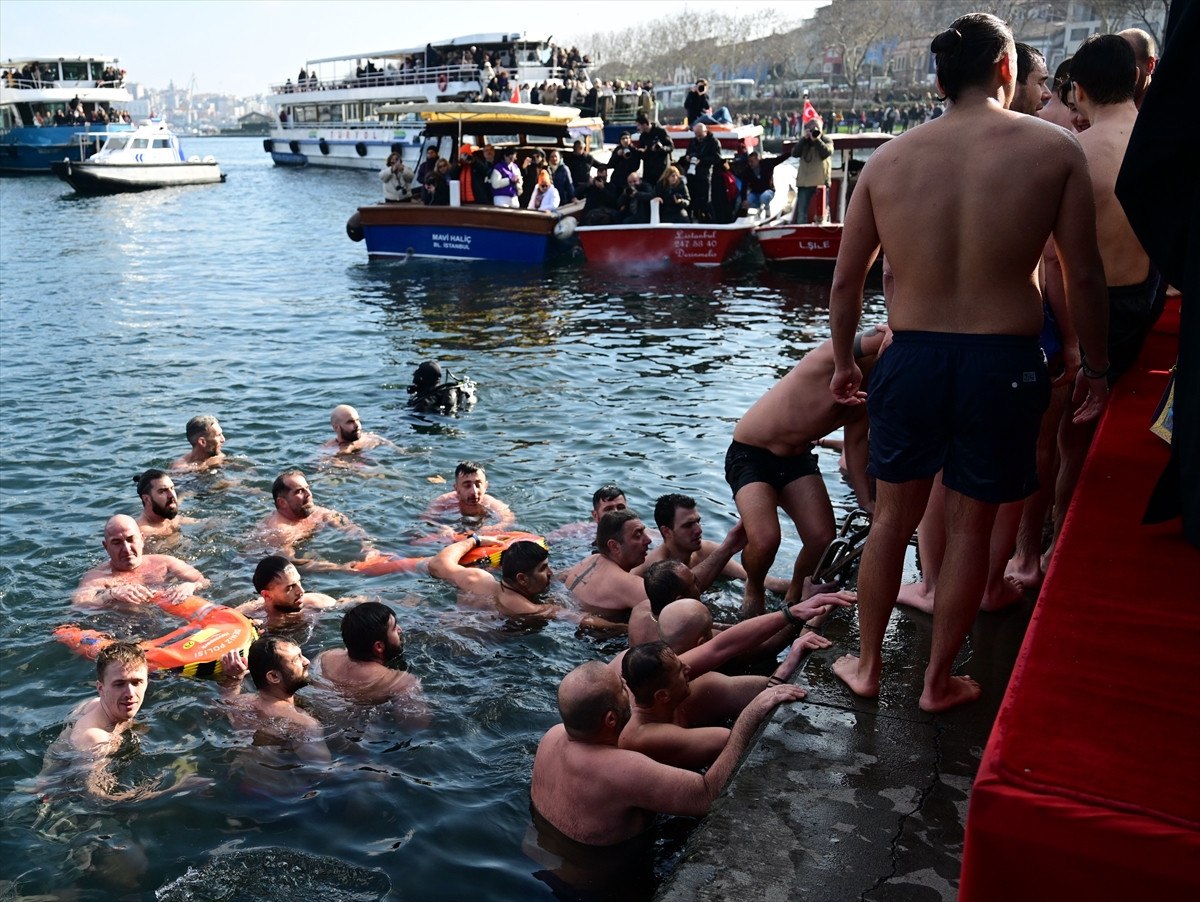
point(1145, 52)
point(123, 542)
point(346, 424)
point(684, 624)
point(587, 696)
point(700, 130)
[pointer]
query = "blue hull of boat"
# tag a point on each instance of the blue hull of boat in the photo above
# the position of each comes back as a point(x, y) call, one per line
point(33, 150)
point(455, 243)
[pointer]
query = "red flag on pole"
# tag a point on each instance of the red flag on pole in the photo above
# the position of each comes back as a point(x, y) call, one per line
point(809, 114)
point(516, 95)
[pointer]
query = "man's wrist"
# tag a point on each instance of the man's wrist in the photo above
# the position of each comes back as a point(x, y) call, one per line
point(793, 621)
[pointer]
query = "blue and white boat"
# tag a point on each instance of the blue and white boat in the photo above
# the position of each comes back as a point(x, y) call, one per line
point(475, 231)
point(148, 158)
point(53, 108)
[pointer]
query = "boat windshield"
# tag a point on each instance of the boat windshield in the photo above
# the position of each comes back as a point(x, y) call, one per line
point(117, 142)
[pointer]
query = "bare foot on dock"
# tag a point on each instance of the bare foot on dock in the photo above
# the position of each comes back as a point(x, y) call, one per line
point(916, 595)
point(958, 690)
point(1027, 571)
point(1006, 592)
point(846, 669)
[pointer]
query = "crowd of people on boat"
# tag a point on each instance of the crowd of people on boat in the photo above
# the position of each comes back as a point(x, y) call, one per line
point(77, 113)
point(37, 75)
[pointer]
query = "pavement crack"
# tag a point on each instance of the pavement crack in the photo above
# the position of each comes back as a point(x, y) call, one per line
point(935, 779)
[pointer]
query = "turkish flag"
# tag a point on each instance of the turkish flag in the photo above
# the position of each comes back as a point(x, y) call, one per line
point(809, 114)
point(516, 95)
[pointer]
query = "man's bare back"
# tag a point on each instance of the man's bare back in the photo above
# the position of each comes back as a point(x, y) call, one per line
point(1125, 262)
point(367, 681)
point(603, 587)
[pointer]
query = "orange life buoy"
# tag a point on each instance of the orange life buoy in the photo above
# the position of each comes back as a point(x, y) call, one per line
point(194, 650)
point(489, 555)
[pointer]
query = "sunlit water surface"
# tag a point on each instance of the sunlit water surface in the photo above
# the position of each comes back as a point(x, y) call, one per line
point(124, 316)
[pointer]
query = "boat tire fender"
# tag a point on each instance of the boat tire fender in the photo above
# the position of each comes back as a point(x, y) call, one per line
point(361, 149)
point(294, 146)
point(268, 145)
point(324, 145)
point(354, 229)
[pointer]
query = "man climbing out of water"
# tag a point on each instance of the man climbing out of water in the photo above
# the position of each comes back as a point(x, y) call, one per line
point(603, 582)
point(525, 578)
point(206, 438)
point(130, 576)
point(282, 601)
point(594, 792)
point(160, 505)
point(469, 505)
point(360, 670)
point(296, 517)
point(771, 464)
point(349, 437)
point(965, 315)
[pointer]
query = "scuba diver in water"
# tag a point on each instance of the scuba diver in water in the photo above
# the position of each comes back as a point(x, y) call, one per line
point(430, 394)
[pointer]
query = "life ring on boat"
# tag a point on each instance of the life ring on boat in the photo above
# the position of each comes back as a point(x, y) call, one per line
point(443, 82)
point(324, 145)
point(194, 650)
point(268, 146)
point(361, 149)
point(294, 146)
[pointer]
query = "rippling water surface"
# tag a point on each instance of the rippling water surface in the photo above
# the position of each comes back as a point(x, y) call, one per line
point(122, 317)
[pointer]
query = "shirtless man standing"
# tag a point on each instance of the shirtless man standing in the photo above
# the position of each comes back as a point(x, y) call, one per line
point(771, 464)
point(372, 639)
point(525, 577)
point(596, 793)
point(603, 582)
point(469, 504)
point(131, 577)
point(349, 437)
point(1145, 54)
point(296, 517)
point(160, 505)
point(281, 600)
point(206, 438)
point(966, 307)
point(1030, 93)
point(1105, 74)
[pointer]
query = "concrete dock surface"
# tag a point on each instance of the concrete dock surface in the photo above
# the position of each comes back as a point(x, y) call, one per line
point(844, 798)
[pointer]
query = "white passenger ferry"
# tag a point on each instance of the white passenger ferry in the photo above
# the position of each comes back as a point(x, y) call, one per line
point(329, 115)
point(56, 107)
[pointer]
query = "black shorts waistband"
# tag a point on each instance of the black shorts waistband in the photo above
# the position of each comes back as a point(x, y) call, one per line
point(1149, 284)
point(968, 340)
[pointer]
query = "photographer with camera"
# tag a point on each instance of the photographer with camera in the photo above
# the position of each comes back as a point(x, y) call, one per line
point(624, 159)
point(813, 170)
point(655, 146)
point(397, 180)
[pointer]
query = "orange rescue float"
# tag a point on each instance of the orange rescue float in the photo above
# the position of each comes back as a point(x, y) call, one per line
point(194, 649)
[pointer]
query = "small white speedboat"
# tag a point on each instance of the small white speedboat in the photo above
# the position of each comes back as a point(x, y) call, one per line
point(148, 157)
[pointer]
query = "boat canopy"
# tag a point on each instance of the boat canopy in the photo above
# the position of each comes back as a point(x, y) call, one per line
point(486, 41)
point(497, 118)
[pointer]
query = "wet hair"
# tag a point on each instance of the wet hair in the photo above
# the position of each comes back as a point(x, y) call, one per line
point(1105, 67)
point(521, 557)
point(1062, 75)
point(145, 481)
point(129, 654)
point(967, 51)
point(363, 626)
point(609, 492)
point(610, 527)
point(644, 670)
point(1027, 58)
point(663, 584)
point(197, 427)
point(589, 701)
point(268, 570)
point(466, 468)
point(263, 657)
point(278, 487)
point(665, 506)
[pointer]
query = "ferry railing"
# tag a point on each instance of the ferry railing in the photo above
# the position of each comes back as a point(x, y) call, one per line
point(425, 75)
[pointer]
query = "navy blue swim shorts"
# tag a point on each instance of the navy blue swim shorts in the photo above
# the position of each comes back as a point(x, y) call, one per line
point(1132, 311)
point(969, 405)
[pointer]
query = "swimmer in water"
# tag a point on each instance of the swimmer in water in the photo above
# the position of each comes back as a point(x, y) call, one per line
point(160, 505)
point(610, 497)
point(282, 601)
point(525, 577)
point(131, 577)
point(469, 504)
point(596, 793)
point(297, 518)
point(206, 438)
point(360, 670)
point(349, 437)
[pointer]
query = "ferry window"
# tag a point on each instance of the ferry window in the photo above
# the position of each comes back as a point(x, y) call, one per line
point(329, 112)
point(116, 143)
point(161, 142)
point(74, 71)
point(140, 143)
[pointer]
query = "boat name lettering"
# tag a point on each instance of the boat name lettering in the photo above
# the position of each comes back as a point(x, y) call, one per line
point(451, 241)
point(701, 244)
point(814, 245)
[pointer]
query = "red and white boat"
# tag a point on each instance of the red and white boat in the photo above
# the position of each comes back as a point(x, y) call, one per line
point(663, 243)
point(818, 242)
point(734, 139)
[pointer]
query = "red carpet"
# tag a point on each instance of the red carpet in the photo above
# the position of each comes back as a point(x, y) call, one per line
point(1090, 784)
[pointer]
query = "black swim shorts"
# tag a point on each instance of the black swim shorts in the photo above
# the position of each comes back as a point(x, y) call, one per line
point(969, 405)
point(745, 464)
point(1132, 311)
